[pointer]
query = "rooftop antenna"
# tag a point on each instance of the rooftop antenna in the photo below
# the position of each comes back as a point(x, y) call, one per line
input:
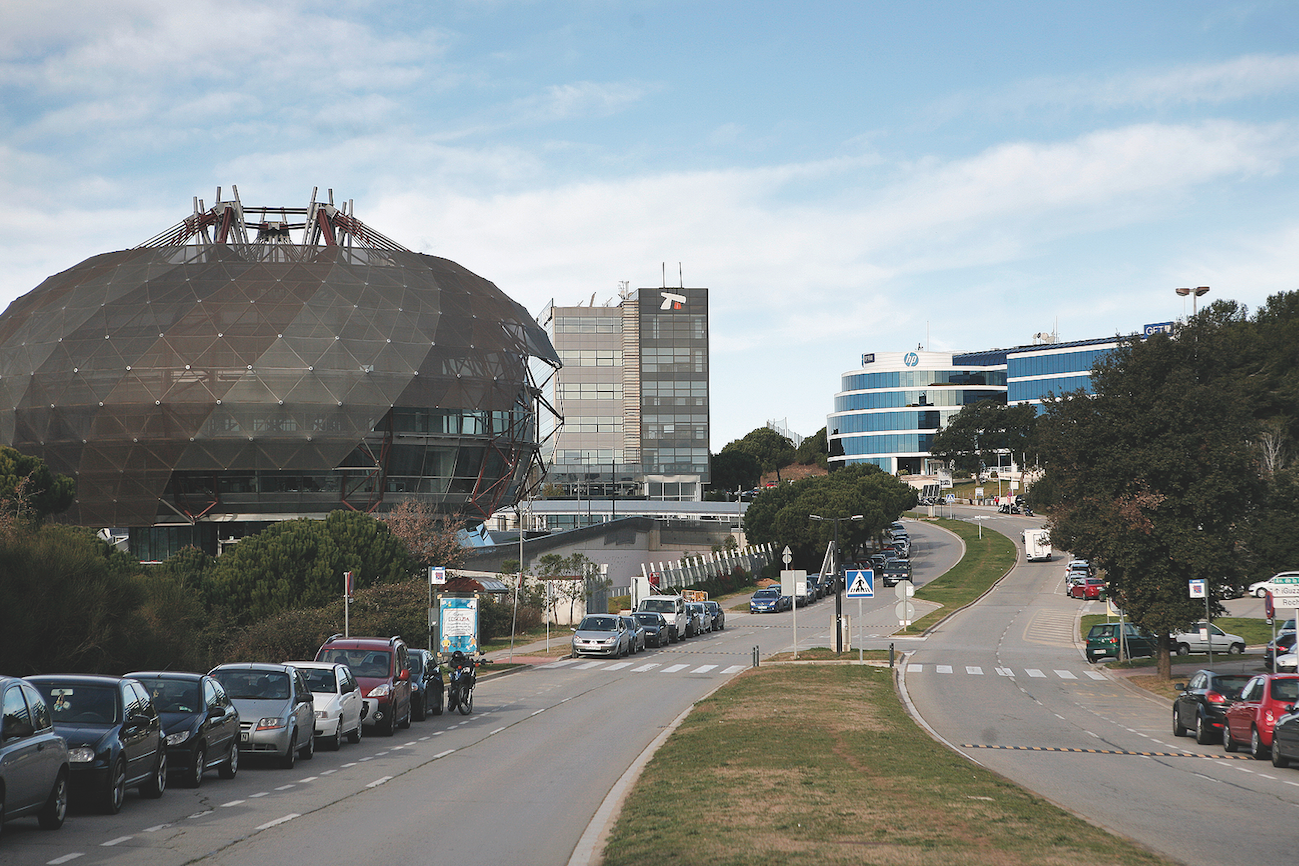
point(592, 304)
point(681, 280)
point(665, 274)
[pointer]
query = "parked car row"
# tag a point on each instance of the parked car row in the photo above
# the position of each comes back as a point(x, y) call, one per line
point(1248, 713)
point(1104, 639)
point(625, 634)
point(92, 737)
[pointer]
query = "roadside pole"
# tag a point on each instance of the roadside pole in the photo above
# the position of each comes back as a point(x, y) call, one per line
point(1199, 589)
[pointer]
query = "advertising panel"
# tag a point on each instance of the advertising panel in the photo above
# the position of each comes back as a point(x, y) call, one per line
point(459, 625)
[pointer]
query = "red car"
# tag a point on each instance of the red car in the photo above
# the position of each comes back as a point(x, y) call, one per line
point(1250, 718)
point(382, 670)
point(1088, 587)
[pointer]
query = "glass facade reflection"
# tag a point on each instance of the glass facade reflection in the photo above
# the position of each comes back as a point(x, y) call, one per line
point(209, 377)
point(1035, 372)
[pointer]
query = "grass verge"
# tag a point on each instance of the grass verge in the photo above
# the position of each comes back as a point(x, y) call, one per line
point(792, 764)
point(986, 560)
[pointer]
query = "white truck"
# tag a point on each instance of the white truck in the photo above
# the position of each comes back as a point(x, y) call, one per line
point(1037, 545)
point(673, 608)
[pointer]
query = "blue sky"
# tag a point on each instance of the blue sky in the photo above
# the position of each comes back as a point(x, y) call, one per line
point(845, 177)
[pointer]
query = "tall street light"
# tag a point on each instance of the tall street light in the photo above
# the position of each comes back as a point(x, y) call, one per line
point(1195, 293)
point(838, 579)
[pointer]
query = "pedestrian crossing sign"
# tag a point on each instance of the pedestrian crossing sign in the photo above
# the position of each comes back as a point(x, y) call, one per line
point(861, 584)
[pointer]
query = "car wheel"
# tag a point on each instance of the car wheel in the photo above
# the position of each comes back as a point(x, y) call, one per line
point(194, 777)
point(1235, 649)
point(1203, 731)
point(354, 736)
point(1260, 592)
point(419, 708)
point(309, 749)
point(1278, 760)
point(437, 708)
point(56, 807)
point(115, 796)
point(157, 783)
point(1183, 649)
point(290, 759)
point(230, 766)
point(1227, 742)
point(405, 723)
point(1256, 746)
point(1178, 729)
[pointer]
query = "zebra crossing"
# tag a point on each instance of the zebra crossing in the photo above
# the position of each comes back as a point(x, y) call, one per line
point(977, 671)
point(648, 667)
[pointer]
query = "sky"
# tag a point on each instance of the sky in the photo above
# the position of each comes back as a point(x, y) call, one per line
point(844, 177)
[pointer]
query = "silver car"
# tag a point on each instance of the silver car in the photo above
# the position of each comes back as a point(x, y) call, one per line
point(635, 633)
point(601, 634)
point(33, 758)
point(276, 710)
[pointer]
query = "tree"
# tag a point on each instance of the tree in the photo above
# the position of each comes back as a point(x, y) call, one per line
point(815, 449)
point(977, 435)
point(431, 537)
point(780, 514)
point(26, 481)
point(772, 451)
point(300, 563)
point(1152, 474)
point(734, 469)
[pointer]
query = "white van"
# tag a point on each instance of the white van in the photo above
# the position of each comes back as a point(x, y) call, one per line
point(1037, 545)
point(673, 608)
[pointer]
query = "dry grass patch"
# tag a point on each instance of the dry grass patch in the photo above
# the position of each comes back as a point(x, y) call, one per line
point(819, 764)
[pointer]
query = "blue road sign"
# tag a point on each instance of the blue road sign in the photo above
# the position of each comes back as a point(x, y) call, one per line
point(861, 584)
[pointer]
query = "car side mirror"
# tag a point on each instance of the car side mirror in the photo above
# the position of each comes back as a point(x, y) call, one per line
point(1181, 687)
point(404, 675)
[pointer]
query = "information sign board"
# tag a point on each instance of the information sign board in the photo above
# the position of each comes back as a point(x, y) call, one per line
point(861, 584)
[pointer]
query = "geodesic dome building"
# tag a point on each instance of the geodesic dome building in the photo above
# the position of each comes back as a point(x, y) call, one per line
point(223, 375)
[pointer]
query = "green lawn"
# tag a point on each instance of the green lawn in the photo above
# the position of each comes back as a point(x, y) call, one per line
point(986, 561)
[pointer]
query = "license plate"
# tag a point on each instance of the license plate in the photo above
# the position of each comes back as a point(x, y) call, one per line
point(243, 738)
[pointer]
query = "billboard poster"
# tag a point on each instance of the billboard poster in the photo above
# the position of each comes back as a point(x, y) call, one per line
point(459, 625)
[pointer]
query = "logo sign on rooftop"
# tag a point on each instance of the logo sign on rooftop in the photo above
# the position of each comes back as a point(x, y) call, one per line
point(1158, 328)
point(911, 359)
point(868, 358)
point(672, 301)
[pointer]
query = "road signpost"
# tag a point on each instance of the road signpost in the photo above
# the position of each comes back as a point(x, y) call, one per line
point(1200, 589)
point(905, 610)
point(861, 584)
point(794, 582)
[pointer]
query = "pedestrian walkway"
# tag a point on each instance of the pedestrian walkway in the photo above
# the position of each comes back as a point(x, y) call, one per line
point(579, 664)
point(977, 671)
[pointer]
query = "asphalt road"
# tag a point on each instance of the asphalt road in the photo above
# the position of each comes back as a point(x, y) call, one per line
point(1004, 682)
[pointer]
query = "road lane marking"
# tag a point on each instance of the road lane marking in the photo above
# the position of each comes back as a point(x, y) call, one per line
point(944, 669)
point(260, 794)
point(1005, 672)
point(1111, 752)
point(497, 731)
point(377, 782)
point(156, 827)
point(915, 668)
point(285, 787)
point(1096, 675)
point(671, 669)
point(66, 858)
point(1034, 672)
point(308, 779)
point(971, 669)
point(588, 666)
point(118, 841)
point(735, 669)
point(563, 663)
point(703, 669)
point(278, 821)
point(443, 754)
point(619, 666)
point(232, 803)
point(1065, 675)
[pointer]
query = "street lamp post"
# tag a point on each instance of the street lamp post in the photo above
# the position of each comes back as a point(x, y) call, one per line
point(1195, 293)
point(838, 580)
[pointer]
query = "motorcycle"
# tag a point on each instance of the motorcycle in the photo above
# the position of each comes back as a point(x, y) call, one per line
point(460, 691)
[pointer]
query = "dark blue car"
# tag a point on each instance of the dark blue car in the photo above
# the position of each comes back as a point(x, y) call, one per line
point(199, 723)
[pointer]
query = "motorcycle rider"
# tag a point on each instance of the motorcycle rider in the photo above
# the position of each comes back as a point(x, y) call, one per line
point(462, 675)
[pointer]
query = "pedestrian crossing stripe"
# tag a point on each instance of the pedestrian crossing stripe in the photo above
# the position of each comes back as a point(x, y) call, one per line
point(976, 671)
point(1108, 752)
point(572, 664)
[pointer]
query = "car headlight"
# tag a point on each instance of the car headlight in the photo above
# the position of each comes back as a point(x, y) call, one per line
point(380, 691)
point(81, 755)
point(271, 724)
point(177, 738)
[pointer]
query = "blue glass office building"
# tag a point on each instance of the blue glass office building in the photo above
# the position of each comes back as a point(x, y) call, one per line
point(1033, 372)
point(888, 411)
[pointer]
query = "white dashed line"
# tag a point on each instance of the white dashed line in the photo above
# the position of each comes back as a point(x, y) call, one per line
point(308, 779)
point(944, 669)
point(232, 803)
point(497, 731)
point(443, 754)
point(66, 858)
point(971, 669)
point(278, 821)
point(259, 794)
point(156, 827)
point(118, 841)
point(377, 782)
point(285, 787)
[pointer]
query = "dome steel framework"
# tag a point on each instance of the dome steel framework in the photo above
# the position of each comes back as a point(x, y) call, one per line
point(223, 372)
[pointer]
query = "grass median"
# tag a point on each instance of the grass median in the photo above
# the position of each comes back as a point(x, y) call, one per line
point(820, 764)
point(986, 560)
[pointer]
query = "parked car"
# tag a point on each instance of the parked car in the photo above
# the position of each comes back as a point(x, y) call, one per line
point(699, 619)
point(382, 666)
point(719, 616)
point(655, 628)
point(1103, 641)
point(601, 634)
point(277, 714)
point(1201, 707)
point(1193, 641)
point(673, 608)
point(200, 725)
point(1286, 663)
point(635, 634)
point(1285, 740)
point(1251, 718)
point(114, 736)
point(428, 689)
point(769, 600)
point(1283, 644)
point(336, 702)
point(1259, 588)
point(1090, 587)
point(34, 764)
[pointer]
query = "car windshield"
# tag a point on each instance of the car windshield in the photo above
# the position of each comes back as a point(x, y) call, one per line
point(374, 664)
point(321, 680)
point(1285, 690)
point(1099, 631)
point(254, 685)
point(648, 618)
point(416, 664)
point(173, 696)
point(767, 593)
point(1230, 686)
point(659, 605)
point(598, 623)
point(82, 705)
